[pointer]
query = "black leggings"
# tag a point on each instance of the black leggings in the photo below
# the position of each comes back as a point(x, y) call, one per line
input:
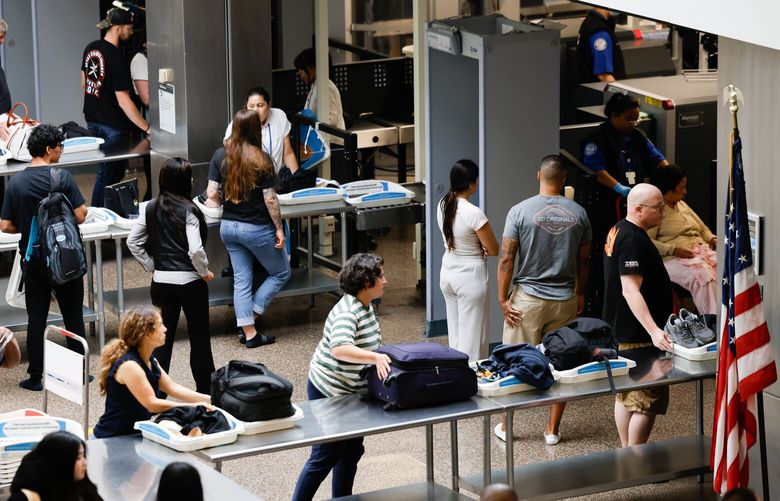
point(193, 298)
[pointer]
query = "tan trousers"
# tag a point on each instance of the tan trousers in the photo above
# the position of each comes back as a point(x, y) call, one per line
point(540, 316)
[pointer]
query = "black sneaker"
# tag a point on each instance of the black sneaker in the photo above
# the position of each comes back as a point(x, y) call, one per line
point(679, 332)
point(698, 328)
point(260, 340)
point(32, 383)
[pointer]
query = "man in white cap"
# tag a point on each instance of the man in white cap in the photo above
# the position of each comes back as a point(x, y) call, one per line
point(108, 108)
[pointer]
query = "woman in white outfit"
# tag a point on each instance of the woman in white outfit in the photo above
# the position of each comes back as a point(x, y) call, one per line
point(468, 240)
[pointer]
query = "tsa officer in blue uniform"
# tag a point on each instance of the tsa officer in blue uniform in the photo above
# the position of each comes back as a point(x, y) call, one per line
point(620, 154)
point(600, 55)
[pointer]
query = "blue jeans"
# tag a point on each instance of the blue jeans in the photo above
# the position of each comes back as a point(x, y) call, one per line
point(245, 242)
point(342, 457)
point(108, 172)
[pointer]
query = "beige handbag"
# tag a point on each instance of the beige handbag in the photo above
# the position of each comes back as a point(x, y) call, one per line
point(14, 131)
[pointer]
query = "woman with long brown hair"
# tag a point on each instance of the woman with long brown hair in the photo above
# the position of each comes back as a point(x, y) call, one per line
point(251, 221)
point(468, 240)
point(131, 378)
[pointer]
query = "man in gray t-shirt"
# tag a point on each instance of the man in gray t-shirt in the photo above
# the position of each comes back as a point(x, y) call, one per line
point(552, 235)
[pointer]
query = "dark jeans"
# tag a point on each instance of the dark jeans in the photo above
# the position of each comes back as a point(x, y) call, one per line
point(37, 296)
point(193, 298)
point(342, 457)
point(108, 172)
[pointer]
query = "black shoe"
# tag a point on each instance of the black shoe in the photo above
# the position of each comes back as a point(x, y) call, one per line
point(260, 340)
point(91, 378)
point(32, 384)
point(242, 338)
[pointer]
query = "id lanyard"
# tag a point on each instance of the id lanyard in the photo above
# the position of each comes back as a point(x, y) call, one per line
point(270, 150)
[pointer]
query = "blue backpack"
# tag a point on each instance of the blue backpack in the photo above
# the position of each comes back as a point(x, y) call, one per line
point(55, 238)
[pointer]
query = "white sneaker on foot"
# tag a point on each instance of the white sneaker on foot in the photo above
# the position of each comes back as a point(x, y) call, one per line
point(552, 439)
point(500, 432)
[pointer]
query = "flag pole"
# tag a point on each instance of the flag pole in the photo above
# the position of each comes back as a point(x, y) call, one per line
point(734, 97)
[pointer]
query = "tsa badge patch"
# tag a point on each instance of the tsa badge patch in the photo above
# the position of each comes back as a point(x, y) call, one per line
point(591, 149)
point(600, 44)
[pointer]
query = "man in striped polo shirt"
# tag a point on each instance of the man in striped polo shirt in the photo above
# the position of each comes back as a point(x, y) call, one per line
point(349, 341)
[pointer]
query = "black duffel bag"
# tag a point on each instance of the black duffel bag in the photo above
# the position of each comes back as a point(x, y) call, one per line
point(251, 392)
point(580, 342)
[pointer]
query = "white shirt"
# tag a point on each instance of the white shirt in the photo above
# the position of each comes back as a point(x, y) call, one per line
point(336, 112)
point(276, 128)
point(468, 219)
point(139, 69)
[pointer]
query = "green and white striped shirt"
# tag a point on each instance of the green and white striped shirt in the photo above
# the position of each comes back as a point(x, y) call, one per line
point(349, 322)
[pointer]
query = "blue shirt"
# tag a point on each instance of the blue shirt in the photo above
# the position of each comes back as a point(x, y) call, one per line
point(593, 155)
point(600, 44)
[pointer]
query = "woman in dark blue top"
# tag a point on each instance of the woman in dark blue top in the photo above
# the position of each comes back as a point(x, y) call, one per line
point(132, 379)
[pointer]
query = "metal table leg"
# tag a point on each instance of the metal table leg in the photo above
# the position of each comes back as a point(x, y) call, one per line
point(310, 255)
point(454, 454)
point(510, 450)
point(90, 286)
point(120, 277)
point(101, 309)
point(700, 416)
point(487, 467)
point(429, 452)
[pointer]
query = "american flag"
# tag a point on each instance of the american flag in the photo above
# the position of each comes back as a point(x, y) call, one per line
point(746, 365)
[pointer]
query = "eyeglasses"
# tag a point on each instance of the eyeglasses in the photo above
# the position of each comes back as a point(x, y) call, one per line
point(659, 208)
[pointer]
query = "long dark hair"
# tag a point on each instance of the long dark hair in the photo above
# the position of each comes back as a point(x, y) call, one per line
point(180, 481)
point(462, 174)
point(48, 470)
point(244, 156)
point(176, 192)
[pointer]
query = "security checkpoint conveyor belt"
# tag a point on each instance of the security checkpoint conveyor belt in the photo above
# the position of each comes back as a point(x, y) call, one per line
point(340, 418)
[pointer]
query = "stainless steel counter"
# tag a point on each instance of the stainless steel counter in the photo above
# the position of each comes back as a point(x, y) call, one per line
point(130, 468)
point(124, 150)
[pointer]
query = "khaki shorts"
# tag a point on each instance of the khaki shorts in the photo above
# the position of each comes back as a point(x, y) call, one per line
point(647, 401)
point(540, 316)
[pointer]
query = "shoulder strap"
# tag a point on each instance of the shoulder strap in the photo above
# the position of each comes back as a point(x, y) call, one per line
point(55, 173)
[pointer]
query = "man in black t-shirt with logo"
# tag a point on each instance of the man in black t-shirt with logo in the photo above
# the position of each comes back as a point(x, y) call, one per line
point(108, 106)
point(24, 192)
point(637, 300)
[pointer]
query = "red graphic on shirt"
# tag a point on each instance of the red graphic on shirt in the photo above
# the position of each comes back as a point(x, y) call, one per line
point(95, 71)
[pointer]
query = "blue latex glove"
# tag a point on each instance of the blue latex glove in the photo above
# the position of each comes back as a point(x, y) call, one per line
point(621, 190)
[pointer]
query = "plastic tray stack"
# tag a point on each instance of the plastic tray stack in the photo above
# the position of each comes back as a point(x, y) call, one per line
point(20, 432)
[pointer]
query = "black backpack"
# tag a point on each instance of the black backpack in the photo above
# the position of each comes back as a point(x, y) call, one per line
point(582, 341)
point(251, 392)
point(55, 231)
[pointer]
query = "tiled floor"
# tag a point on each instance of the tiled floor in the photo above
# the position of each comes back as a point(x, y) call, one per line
point(396, 458)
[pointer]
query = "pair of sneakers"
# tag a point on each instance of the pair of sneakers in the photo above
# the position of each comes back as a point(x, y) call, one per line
point(548, 439)
point(688, 330)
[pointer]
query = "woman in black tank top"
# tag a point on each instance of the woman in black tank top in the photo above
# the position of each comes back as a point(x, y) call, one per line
point(131, 379)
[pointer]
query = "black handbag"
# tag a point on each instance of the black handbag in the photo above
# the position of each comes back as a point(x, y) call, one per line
point(251, 392)
point(122, 198)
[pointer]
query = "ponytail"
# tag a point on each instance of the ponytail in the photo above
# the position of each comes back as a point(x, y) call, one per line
point(449, 206)
point(463, 173)
point(113, 351)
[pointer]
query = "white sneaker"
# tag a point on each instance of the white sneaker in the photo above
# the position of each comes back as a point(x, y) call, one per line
point(500, 433)
point(552, 439)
